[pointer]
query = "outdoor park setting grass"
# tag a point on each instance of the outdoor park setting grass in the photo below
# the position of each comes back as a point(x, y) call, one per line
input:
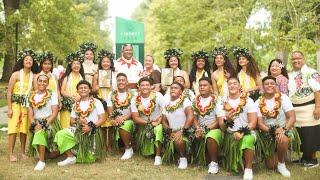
point(136, 168)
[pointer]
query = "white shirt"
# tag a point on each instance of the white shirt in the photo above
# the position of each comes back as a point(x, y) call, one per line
point(242, 119)
point(122, 97)
point(132, 70)
point(94, 115)
point(145, 103)
point(45, 111)
point(177, 118)
point(210, 118)
point(280, 120)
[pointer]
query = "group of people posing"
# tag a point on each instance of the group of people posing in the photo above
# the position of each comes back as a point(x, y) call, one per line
point(223, 115)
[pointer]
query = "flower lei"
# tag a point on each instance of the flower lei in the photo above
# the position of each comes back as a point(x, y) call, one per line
point(120, 105)
point(149, 110)
point(275, 111)
point(239, 109)
point(43, 101)
point(84, 113)
point(203, 111)
point(174, 107)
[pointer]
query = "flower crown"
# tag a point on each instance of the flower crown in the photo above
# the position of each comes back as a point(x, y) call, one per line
point(74, 56)
point(88, 46)
point(238, 51)
point(219, 51)
point(46, 55)
point(105, 53)
point(26, 52)
point(172, 52)
point(200, 54)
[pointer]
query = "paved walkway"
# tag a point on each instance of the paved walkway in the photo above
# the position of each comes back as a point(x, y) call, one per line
point(3, 115)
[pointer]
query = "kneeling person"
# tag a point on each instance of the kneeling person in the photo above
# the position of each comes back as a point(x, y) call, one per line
point(276, 117)
point(146, 110)
point(208, 135)
point(84, 137)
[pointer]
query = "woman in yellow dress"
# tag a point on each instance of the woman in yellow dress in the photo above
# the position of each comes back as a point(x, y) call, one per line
point(222, 69)
point(19, 88)
point(248, 72)
point(105, 63)
point(46, 66)
point(74, 73)
point(200, 68)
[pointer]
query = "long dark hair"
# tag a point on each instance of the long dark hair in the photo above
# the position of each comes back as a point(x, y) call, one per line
point(227, 66)
point(19, 65)
point(69, 70)
point(111, 64)
point(252, 67)
point(194, 68)
point(41, 63)
point(167, 63)
point(284, 71)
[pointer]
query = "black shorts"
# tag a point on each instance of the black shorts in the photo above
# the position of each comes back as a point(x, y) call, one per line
point(310, 138)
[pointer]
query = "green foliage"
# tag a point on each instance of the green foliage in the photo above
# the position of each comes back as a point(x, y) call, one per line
point(205, 24)
point(61, 25)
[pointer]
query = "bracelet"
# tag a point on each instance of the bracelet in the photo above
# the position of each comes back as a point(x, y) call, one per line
point(227, 123)
point(244, 130)
point(93, 128)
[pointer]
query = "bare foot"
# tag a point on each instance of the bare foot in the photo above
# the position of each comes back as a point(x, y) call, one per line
point(24, 156)
point(12, 158)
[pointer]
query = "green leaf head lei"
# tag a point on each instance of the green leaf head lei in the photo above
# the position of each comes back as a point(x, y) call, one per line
point(200, 55)
point(219, 51)
point(27, 52)
point(238, 52)
point(177, 52)
point(105, 53)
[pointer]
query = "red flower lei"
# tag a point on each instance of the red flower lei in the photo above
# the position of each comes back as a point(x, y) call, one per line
point(275, 111)
point(43, 101)
point(120, 105)
point(203, 111)
point(84, 113)
point(146, 111)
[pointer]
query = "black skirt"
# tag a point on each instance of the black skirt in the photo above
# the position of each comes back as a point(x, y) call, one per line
point(310, 138)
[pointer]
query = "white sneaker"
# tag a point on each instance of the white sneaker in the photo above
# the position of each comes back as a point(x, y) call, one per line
point(68, 161)
point(283, 170)
point(157, 161)
point(213, 168)
point(40, 166)
point(183, 163)
point(248, 175)
point(127, 154)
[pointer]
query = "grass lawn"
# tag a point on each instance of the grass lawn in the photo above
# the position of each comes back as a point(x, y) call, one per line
point(136, 168)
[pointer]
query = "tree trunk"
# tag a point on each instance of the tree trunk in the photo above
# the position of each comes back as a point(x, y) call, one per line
point(10, 6)
point(283, 56)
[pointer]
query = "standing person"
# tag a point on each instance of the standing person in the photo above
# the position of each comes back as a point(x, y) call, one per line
point(177, 118)
point(73, 75)
point(119, 111)
point(248, 72)
point(46, 66)
point(200, 68)
point(278, 70)
point(146, 109)
point(19, 88)
point(89, 67)
point(128, 65)
point(43, 112)
point(222, 69)
point(276, 120)
point(207, 132)
point(237, 115)
point(105, 63)
point(304, 92)
point(152, 71)
point(84, 136)
point(172, 57)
